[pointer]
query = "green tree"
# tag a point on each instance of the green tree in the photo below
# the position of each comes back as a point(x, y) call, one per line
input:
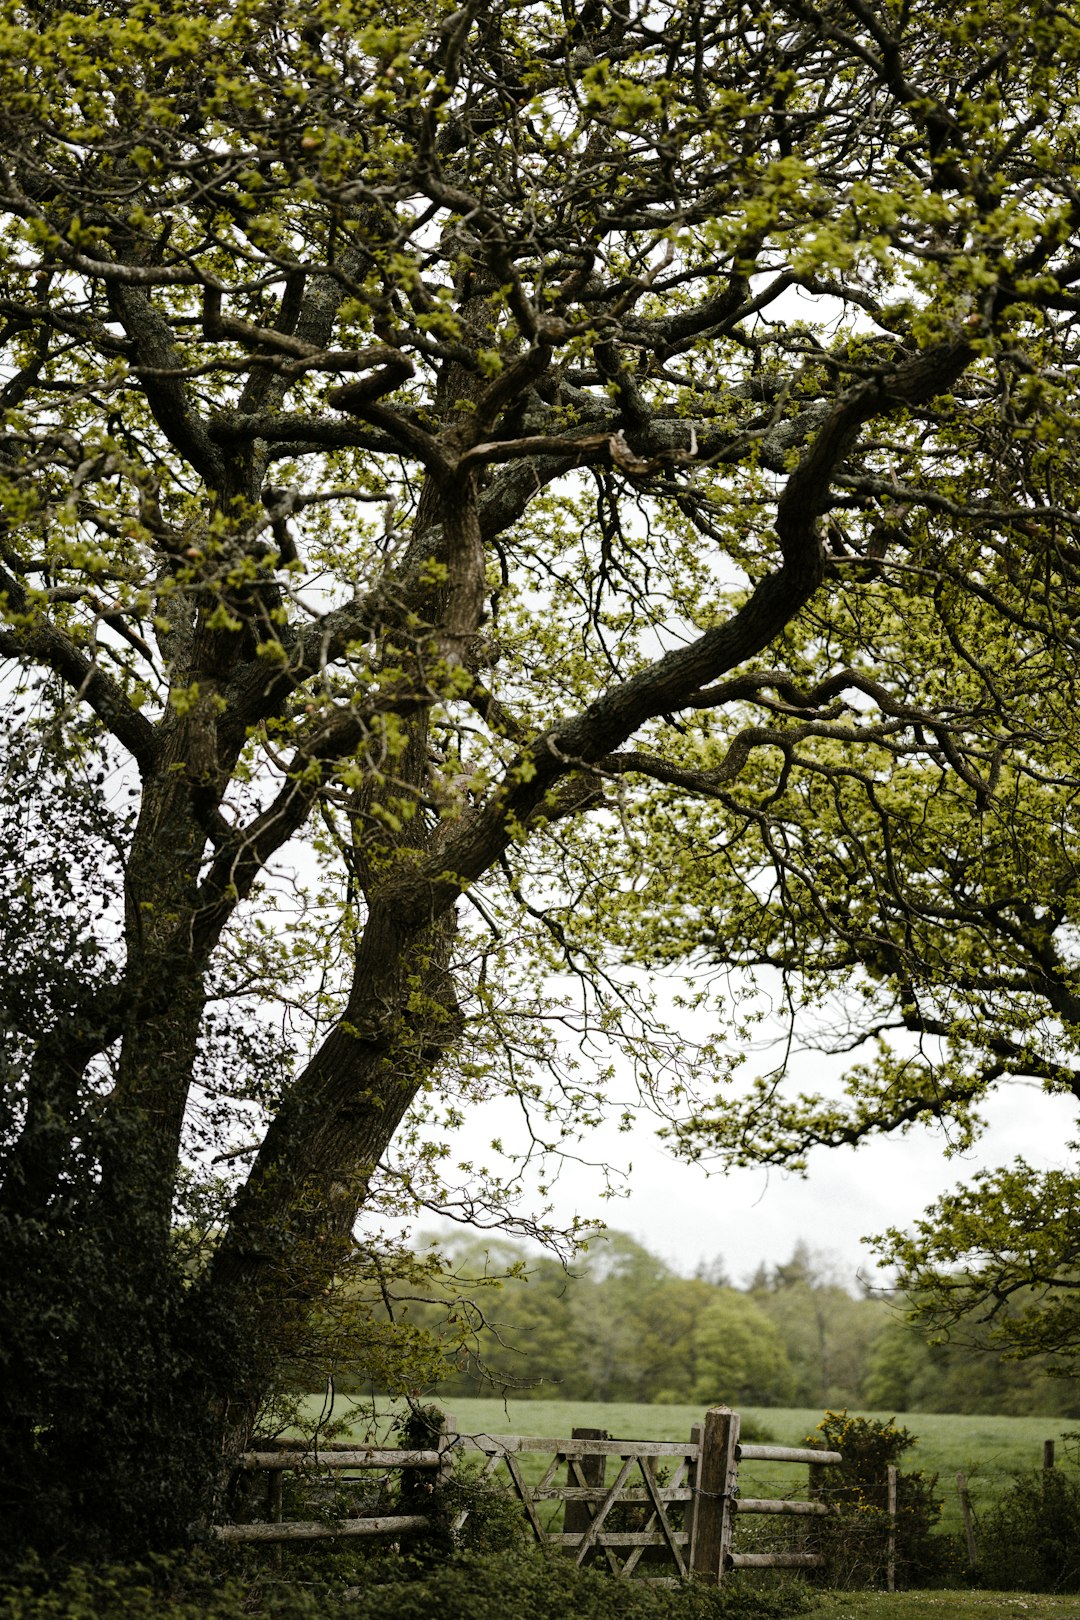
point(619, 1325)
point(457, 443)
point(827, 1332)
point(503, 1316)
point(738, 1353)
point(630, 1314)
point(906, 1372)
point(996, 1265)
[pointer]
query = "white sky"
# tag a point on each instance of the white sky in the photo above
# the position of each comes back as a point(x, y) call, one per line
point(750, 1216)
point(747, 1217)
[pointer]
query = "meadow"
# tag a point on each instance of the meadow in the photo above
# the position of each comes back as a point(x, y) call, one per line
point(990, 1451)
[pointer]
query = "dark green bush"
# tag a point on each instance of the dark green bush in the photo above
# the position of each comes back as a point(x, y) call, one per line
point(1030, 1539)
point(530, 1584)
point(466, 1587)
point(158, 1590)
point(494, 1519)
point(855, 1539)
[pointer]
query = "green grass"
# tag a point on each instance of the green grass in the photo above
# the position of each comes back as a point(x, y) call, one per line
point(945, 1606)
point(984, 1448)
point(988, 1450)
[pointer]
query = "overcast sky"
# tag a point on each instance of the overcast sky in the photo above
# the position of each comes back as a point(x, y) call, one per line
point(748, 1217)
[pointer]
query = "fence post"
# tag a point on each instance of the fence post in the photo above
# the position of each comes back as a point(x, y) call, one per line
point(273, 1509)
point(969, 1526)
point(696, 1437)
point(576, 1515)
point(890, 1546)
point(716, 1482)
point(1048, 1456)
point(447, 1442)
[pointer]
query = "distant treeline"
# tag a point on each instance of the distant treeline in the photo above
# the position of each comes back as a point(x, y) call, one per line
point(623, 1326)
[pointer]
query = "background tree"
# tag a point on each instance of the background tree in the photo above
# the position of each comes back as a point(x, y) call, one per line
point(907, 1370)
point(618, 1325)
point(739, 1354)
point(457, 443)
point(621, 1325)
point(827, 1332)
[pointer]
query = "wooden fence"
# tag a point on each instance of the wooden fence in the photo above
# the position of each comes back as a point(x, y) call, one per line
point(723, 1458)
point(318, 1466)
point(667, 1513)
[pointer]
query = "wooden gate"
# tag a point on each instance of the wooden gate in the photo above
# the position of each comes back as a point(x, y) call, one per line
point(641, 1519)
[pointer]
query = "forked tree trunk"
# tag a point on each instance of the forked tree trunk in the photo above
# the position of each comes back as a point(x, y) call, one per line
point(291, 1229)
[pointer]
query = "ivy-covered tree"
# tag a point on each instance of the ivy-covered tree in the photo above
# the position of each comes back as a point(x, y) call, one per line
point(456, 444)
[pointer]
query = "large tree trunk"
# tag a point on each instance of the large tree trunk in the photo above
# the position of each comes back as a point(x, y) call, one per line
point(157, 1375)
point(291, 1229)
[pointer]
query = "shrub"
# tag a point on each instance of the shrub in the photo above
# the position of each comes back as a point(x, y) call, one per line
point(494, 1520)
point(161, 1589)
point(1030, 1539)
point(531, 1584)
point(466, 1587)
point(855, 1539)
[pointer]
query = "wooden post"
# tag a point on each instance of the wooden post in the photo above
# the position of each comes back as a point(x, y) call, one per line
point(446, 1443)
point(890, 1546)
point(273, 1509)
point(693, 1479)
point(577, 1516)
point(969, 1525)
point(716, 1483)
point(1048, 1456)
point(815, 1490)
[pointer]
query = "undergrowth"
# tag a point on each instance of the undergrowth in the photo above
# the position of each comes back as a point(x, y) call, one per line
point(1030, 1539)
point(468, 1586)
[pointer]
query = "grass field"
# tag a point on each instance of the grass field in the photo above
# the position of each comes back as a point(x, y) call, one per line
point(945, 1606)
point(988, 1450)
point(983, 1448)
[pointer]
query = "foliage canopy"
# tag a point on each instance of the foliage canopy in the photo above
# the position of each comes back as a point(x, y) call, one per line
point(537, 460)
